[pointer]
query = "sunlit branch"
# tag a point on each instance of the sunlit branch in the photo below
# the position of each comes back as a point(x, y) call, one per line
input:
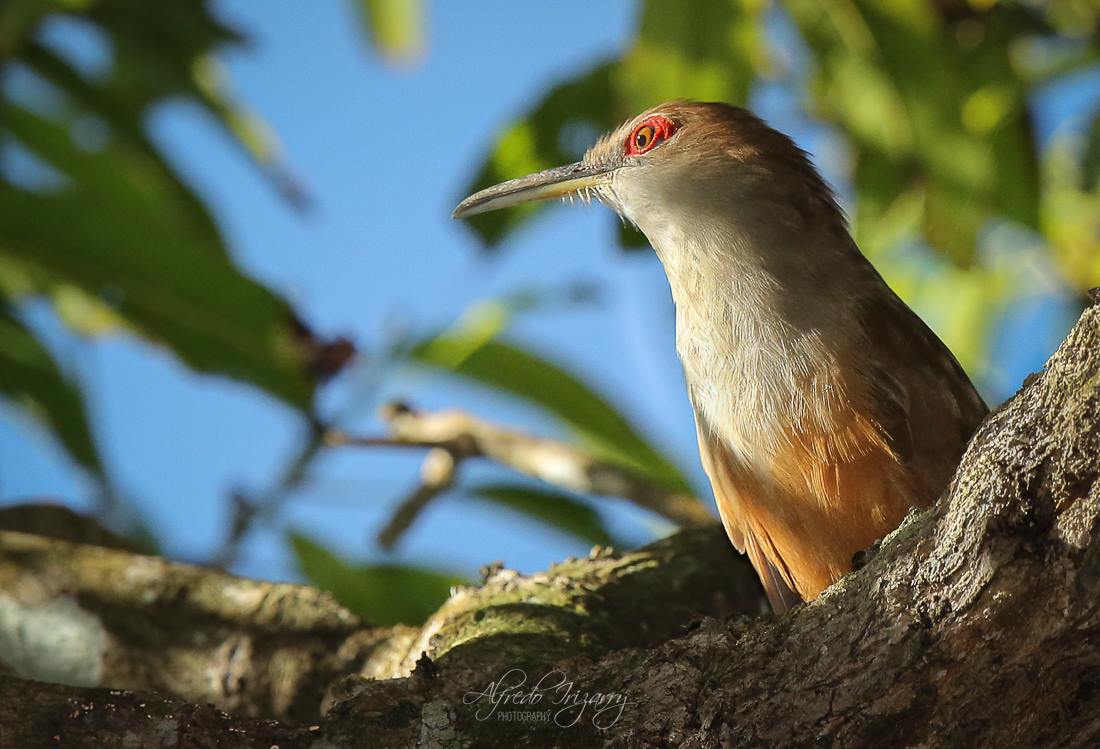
point(460, 436)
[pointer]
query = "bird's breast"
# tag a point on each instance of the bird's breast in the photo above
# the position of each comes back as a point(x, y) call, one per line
point(756, 378)
point(766, 341)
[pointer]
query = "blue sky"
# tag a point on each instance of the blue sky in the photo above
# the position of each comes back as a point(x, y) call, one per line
point(385, 155)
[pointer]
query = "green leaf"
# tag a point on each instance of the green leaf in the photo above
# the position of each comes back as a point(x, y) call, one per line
point(1071, 218)
point(382, 594)
point(963, 145)
point(709, 51)
point(123, 107)
point(161, 51)
point(632, 240)
point(124, 243)
point(126, 232)
point(32, 380)
point(249, 131)
point(396, 27)
point(472, 352)
point(563, 511)
point(1090, 162)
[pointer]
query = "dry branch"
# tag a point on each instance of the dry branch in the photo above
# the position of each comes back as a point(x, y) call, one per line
point(437, 475)
point(95, 616)
point(463, 436)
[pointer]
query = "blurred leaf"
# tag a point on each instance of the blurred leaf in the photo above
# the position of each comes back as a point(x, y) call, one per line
point(128, 233)
point(962, 306)
point(382, 594)
point(630, 239)
point(1076, 19)
point(484, 319)
point(1071, 219)
point(31, 379)
point(395, 26)
point(471, 353)
point(250, 132)
point(964, 144)
point(704, 50)
point(121, 243)
point(17, 19)
point(85, 314)
point(548, 298)
point(563, 511)
point(165, 50)
point(1090, 164)
point(123, 109)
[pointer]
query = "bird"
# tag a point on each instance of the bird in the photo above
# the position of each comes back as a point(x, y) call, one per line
point(825, 408)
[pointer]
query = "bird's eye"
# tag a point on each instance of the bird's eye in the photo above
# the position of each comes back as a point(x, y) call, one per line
point(651, 132)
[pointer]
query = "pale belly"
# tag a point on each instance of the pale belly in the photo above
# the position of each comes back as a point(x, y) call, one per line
point(803, 468)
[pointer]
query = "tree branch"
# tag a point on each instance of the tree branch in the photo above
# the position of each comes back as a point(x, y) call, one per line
point(974, 624)
point(437, 475)
point(463, 436)
point(94, 616)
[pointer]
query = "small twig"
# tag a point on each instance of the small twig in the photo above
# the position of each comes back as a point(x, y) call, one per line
point(263, 506)
point(462, 436)
point(437, 475)
point(247, 509)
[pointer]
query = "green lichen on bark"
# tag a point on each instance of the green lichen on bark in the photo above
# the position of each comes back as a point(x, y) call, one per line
point(586, 606)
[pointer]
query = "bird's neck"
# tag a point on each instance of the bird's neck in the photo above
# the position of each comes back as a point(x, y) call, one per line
point(762, 262)
point(755, 316)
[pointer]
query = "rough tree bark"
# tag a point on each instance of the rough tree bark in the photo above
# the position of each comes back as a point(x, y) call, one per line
point(976, 623)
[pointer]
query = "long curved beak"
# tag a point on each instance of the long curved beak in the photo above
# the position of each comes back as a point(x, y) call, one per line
point(552, 183)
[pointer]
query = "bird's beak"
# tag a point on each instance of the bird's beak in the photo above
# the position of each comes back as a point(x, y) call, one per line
point(553, 183)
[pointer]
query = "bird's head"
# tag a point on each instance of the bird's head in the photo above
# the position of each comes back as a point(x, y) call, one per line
point(681, 162)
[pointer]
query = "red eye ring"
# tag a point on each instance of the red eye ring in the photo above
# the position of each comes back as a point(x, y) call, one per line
point(649, 133)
